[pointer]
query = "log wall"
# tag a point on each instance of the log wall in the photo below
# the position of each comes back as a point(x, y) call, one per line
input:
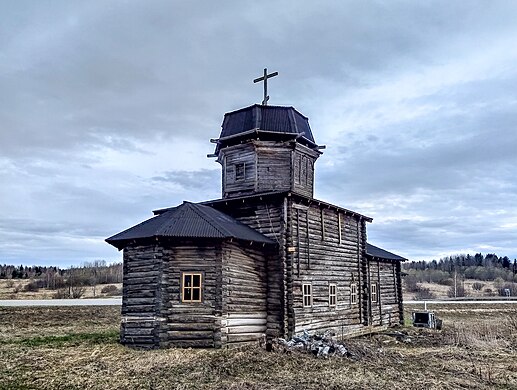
point(250, 290)
point(141, 299)
point(267, 216)
point(327, 249)
point(273, 166)
point(244, 294)
point(268, 166)
point(386, 310)
point(236, 304)
point(191, 324)
point(303, 160)
point(229, 158)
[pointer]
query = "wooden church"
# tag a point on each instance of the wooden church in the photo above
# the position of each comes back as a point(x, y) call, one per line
point(266, 260)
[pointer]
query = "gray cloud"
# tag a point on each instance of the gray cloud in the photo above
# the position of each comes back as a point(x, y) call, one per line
point(106, 110)
point(202, 184)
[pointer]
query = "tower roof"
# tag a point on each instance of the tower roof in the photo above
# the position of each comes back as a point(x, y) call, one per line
point(278, 121)
point(189, 220)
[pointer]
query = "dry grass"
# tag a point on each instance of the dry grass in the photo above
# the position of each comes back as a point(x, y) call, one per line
point(440, 291)
point(13, 289)
point(77, 348)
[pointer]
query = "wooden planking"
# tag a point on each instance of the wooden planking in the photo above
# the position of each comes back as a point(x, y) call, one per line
point(258, 288)
point(386, 310)
point(243, 153)
point(140, 296)
point(270, 166)
point(269, 218)
point(191, 324)
point(244, 293)
point(331, 257)
point(302, 162)
point(273, 166)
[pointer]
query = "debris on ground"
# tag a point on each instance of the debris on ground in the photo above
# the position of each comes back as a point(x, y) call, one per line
point(320, 345)
point(402, 337)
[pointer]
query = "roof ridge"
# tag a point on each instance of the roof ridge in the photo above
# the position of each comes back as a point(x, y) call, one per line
point(166, 220)
point(197, 209)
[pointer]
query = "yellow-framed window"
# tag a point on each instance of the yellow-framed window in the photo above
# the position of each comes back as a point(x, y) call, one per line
point(307, 294)
point(332, 294)
point(192, 283)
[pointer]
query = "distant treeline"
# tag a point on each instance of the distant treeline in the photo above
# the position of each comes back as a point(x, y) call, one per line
point(451, 263)
point(453, 270)
point(88, 274)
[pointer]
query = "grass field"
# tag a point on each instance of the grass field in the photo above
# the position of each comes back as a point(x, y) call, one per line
point(14, 289)
point(77, 348)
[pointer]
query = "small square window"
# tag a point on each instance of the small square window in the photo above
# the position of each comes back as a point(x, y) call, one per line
point(307, 294)
point(240, 171)
point(332, 295)
point(353, 293)
point(191, 287)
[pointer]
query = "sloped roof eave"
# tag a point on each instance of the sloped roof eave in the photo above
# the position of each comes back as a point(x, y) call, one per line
point(189, 221)
point(375, 252)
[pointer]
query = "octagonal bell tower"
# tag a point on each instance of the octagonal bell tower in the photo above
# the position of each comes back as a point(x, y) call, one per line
point(266, 148)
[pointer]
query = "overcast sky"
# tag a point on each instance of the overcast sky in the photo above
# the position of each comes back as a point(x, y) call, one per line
point(107, 108)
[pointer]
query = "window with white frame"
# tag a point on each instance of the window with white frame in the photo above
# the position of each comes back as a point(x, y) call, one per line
point(191, 287)
point(307, 294)
point(332, 294)
point(374, 292)
point(353, 293)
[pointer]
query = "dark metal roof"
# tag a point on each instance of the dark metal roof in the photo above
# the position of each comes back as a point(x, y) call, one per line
point(265, 120)
point(374, 251)
point(189, 220)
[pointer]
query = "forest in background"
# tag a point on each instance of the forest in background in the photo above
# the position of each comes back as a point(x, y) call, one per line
point(67, 283)
point(453, 270)
point(449, 271)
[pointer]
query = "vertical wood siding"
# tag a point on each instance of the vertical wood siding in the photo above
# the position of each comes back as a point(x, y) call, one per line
point(303, 160)
point(323, 259)
point(386, 310)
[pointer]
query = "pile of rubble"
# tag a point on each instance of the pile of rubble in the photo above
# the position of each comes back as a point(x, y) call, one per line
point(320, 345)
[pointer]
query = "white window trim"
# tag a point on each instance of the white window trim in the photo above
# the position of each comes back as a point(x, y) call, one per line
point(332, 295)
point(304, 295)
point(374, 291)
point(353, 294)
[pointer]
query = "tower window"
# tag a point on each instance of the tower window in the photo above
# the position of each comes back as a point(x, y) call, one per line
point(304, 170)
point(240, 171)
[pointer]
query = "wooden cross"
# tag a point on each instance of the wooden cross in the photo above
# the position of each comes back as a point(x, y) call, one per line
point(264, 78)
